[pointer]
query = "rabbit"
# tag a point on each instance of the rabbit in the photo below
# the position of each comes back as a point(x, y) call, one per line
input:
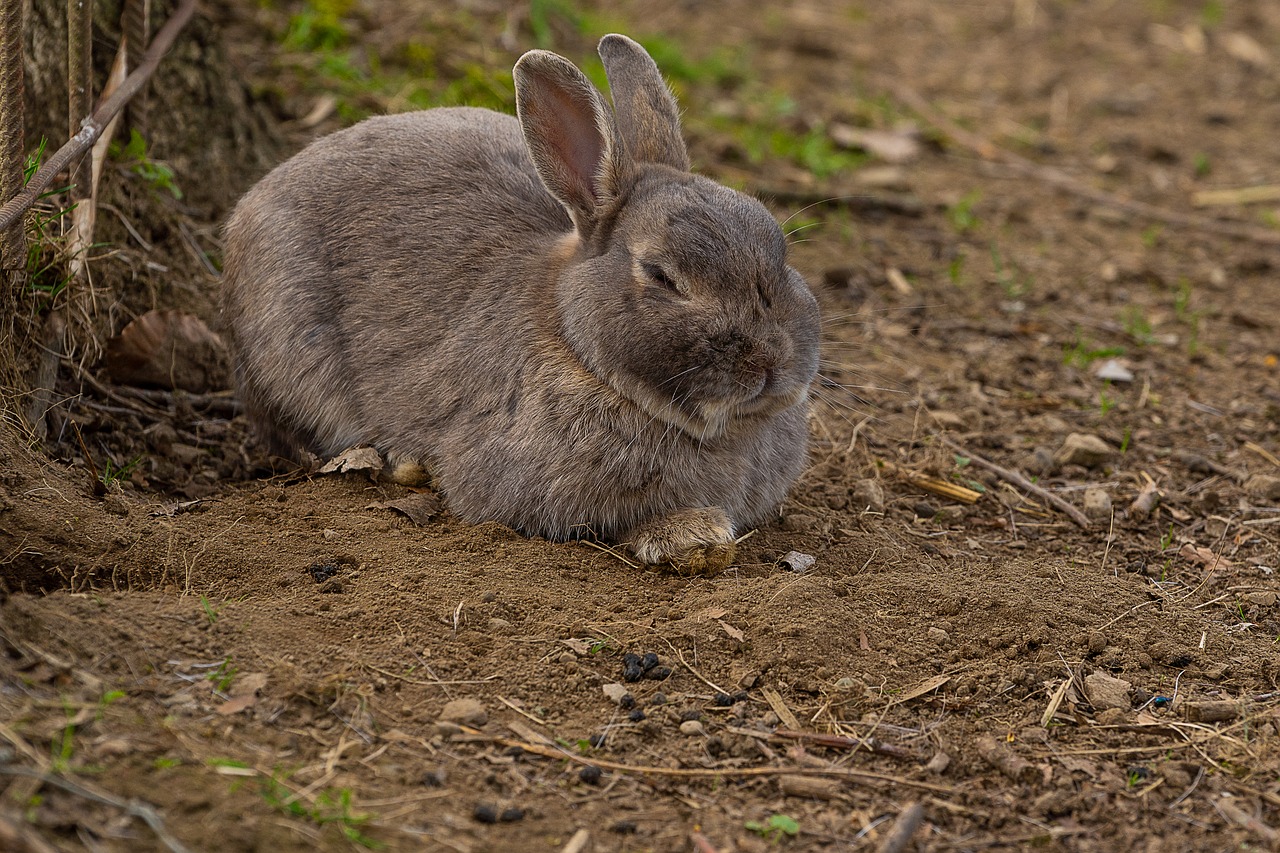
point(549, 315)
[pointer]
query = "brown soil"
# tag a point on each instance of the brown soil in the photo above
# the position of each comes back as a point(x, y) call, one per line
point(262, 664)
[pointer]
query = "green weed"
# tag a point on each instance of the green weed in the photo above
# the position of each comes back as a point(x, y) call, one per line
point(134, 156)
point(224, 676)
point(1007, 277)
point(955, 269)
point(319, 26)
point(961, 214)
point(330, 807)
point(1200, 162)
point(1151, 236)
point(1082, 353)
point(111, 474)
point(775, 827)
point(1105, 403)
point(1138, 327)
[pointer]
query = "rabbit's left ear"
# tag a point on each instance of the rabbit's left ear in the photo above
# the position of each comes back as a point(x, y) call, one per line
point(570, 133)
point(647, 114)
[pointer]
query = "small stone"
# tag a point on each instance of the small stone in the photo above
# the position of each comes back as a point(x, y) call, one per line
point(590, 775)
point(938, 764)
point(485, 813)
point(794, 561)
point(939, 636)
point(1039, 461)
point(867, 496)
point(467, 712)
point(615, 692)
point(1263, 487)
point(750, 679)
point(1113, 371)
point(1262, 599)
point(1097, 503)
point(691, 727)
point(1104, 691)
point(330, 534)
point(1113, 716)
point(923, 509)
point(1097, 642)
point(498, 625)
point(1083, 449)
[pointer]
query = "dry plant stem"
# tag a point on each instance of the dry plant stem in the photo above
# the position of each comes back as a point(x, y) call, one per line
point(909, 820)
point(1004, 759)
point(706, 773)
point(136, 26)
point(988, 151)
point(42, 384)
point(92, 126)
point(871, 744)
point(79, 104)
point(140, 810)
point(1021, 482)
point(13, 252)
point(701, 844)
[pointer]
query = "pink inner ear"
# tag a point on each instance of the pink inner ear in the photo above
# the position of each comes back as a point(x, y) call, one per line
point(573, 135)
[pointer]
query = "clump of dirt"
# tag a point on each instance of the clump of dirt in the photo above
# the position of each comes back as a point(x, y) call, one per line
point(300, 662)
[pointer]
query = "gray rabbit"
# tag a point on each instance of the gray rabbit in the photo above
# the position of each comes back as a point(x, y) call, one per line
point(550, 315)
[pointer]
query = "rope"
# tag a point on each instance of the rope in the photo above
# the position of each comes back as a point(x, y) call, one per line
point(13, 250)
point(136, 31)
point(91, 127)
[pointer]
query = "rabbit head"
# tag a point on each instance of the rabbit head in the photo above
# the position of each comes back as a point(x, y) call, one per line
point(675, 289)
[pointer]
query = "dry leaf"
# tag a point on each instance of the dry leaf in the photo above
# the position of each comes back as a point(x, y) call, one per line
point(354, 459)
point(169, 349)
point(927, 686)
point(1204, 557)
point(236, 704)
point(892, 146)
point(580, 647)
point(419, 507)
point(732, 631)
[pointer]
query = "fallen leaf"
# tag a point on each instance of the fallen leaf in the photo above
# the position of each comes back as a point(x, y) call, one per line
point(419, 507)
point(892, 146)
point(580, 647)
point(711, 613)
point(354, 459)
point(732, 631)
point(169, 349)
point(236, 704)
point(1204, 557)
point(927, 686)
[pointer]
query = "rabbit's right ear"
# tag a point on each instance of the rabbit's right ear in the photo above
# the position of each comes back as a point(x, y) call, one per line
point(570, 133)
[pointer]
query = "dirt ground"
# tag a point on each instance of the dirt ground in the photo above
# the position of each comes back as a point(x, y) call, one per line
point(207, 657)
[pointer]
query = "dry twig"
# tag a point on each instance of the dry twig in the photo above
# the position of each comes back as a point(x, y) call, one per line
point(989, 151)
point(1021, 482)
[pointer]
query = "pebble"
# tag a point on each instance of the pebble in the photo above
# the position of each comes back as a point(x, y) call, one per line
point(1083, 449)
point(939, 763)
point(485, 813)
point(590, 775)
point(691, 727)
point(1097, 503)
point(1113, 371)
point(794, 561)
point(1105, 691)
point(924, 510)
point(498, 625)
point(1263, 487)
point(468, 712)
point(939, 636)
point(867, 496)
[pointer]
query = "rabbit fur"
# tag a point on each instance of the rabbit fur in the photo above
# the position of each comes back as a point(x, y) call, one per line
point(551, 315)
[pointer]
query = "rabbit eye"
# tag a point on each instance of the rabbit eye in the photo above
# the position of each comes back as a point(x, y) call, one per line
point(660, 276)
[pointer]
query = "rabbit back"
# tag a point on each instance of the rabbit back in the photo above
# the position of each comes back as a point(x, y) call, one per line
point(353, 265)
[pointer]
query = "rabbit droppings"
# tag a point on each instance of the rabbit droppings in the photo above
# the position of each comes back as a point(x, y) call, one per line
point(550, 314)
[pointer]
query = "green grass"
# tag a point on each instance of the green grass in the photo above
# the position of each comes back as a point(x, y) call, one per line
point(111, 474)
point(961, 214)
point(773, 829)
point(133, 155)
point(1083, 352)
point(330, 808)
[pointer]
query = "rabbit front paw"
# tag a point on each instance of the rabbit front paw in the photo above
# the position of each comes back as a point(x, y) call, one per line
point(692, 541)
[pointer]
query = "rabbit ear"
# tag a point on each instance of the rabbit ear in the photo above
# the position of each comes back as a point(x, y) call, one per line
point(570, 133)
point(648, 117)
